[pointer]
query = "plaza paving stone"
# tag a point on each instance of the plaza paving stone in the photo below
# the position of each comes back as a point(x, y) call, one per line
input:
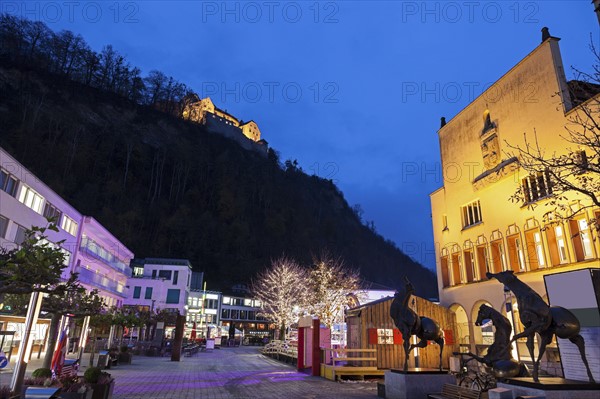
point(228, 373)
point(240, 372)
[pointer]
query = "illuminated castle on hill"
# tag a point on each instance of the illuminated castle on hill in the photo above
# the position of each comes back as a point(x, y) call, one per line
point(247, 134)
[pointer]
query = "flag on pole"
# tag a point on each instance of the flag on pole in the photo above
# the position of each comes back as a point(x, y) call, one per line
point(58, 358)
point(193, 334)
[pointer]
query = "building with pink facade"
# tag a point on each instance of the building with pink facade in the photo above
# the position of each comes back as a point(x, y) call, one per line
point(101, 260)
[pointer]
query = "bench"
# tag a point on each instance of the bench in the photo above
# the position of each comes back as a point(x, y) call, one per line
point(361, 356)
point(450, 391)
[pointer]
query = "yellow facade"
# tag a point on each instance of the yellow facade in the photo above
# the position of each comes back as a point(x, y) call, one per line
point(198, 111)
point(476, 226)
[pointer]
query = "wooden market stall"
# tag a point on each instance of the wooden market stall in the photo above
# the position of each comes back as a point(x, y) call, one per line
point(371, 327)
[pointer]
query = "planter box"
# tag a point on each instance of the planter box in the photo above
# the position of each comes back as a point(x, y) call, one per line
point(103, 391)
point(125, 357)
point(74, 395)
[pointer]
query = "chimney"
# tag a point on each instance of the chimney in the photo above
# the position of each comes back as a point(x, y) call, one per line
point(443, 122)
point(545, 34)
point(596, 4)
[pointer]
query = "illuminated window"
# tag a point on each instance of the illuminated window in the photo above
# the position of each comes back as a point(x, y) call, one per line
point(69, 225)
point(226, 300)
point(535, 249)
point(385, 336)
point(560, 243)
point(31, 199)
point(581, 238)
point(516, 253)
point(539, 248)
point(471, 214)
point(537, 186)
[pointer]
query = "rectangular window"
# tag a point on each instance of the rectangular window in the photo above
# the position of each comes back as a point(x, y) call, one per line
point(175, 277)
point(8, 183)
point(516, 253)
point(20, 236)
point(3, 226)
point(536, 186)
point(138, 271)
point(469, 266)
point(226, 300)
point(166, 274)
point(560, 243)
point(225, 313)
point(586, 241)
point(148, 294)
point(69, 225)
point(498, 256)
point(195, 302)
point(235, 314)
point(243, 314)
point(173, 295)
point(153, 274)
point(31, 199)
point(456, 271)
point(483, 262)
point(52, 212)
point(471, 214)
point(445, 272)
point(247, 302)
point(137, 292)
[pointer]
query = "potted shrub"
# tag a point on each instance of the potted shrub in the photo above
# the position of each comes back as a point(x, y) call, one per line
point(101, 382)
point(125, 356)
point(73, 387)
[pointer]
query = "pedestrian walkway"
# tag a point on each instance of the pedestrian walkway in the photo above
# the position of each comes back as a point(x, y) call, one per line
point(228, 373)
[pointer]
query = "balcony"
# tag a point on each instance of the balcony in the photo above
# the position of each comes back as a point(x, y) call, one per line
point(89, 252)
point(101, 282)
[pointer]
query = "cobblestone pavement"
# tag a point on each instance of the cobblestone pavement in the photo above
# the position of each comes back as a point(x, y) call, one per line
point(228, 373)
point(238, 373)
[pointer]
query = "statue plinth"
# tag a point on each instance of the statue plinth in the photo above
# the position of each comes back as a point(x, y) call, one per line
point(415, 383)
point(551, 388)
point(419, 370)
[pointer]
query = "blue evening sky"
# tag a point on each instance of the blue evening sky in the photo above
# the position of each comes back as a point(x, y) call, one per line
point(354, 90)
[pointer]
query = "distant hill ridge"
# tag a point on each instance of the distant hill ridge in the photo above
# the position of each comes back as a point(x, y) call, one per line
point(167, 187)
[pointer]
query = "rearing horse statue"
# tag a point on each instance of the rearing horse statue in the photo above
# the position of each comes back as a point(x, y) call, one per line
point(409, 324)
point(538, 317)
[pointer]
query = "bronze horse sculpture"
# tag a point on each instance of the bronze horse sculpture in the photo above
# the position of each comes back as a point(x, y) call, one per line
point(539, 317)
point(409, 324)
point(498, 356)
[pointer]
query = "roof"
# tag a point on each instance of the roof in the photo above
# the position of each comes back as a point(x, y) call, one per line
point(161, 261)
point(369, 285)
point(582, 91)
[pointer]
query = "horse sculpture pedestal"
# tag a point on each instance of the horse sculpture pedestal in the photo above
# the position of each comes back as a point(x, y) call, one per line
point(415, 383)
point(552, 388)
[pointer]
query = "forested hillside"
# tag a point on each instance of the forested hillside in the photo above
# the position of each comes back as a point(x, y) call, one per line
point(167, 188)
